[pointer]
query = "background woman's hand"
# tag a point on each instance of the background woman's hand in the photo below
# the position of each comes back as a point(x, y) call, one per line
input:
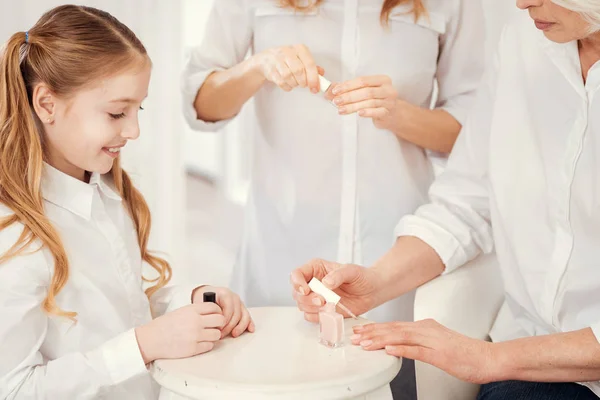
point(289, 67)
point(371, 97)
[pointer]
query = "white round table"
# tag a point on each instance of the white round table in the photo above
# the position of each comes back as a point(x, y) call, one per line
point(281, 360)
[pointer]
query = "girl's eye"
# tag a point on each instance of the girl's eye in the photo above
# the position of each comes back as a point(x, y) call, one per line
point(122, 115)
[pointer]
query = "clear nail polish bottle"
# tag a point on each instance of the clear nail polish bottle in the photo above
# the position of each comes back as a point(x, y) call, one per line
point(331, 333)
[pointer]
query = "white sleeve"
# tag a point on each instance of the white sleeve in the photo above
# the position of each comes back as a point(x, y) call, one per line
point(226, 42)
point(457, 221)
point(170, 298)
point(25, 373)
point(461, 60)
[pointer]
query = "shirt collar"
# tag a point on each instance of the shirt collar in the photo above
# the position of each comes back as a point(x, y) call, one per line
point(566, 58)
point(72, 194)
point(104, 183)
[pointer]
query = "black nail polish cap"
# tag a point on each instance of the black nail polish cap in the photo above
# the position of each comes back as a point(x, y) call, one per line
point(209, 297)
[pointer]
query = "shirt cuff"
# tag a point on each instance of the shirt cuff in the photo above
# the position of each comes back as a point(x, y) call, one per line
point(596, 331)
point(444, 244)
point(192, 82)
point(123, 358)
point(459, 113)
point(182, 297)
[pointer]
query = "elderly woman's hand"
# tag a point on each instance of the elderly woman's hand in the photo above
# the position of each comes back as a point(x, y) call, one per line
point(467, 359)
point(358, 287)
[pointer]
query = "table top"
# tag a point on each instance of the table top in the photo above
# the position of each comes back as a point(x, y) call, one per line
point(282, 359)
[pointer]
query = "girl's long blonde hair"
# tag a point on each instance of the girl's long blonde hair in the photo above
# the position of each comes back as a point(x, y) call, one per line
point(418, 8)
point(67, 49)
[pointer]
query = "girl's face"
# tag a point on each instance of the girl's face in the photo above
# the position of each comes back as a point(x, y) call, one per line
point(87, 131)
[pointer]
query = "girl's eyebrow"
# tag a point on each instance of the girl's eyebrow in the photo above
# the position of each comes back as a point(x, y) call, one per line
point(126, 100)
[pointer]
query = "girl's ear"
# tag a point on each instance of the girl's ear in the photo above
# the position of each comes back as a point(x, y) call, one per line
point(43, 103)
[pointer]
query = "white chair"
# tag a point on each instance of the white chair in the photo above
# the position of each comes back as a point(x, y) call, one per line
point(467, 301)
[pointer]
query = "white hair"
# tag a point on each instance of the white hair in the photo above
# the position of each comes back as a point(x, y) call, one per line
point(589, 9)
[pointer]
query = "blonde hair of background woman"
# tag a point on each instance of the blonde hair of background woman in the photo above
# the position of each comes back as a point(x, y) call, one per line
point(418, 9)
point(68, 48)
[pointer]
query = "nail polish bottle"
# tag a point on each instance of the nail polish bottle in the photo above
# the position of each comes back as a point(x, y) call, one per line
point(209, 297)
point(331, 324)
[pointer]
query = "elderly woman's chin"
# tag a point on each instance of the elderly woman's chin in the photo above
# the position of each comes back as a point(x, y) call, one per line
point(559, 34)
point(559, 24)
point(560, 37)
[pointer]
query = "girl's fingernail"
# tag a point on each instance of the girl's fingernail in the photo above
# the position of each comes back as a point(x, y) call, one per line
point(366, 343)
point(317, 302)
point(336, 90)
point(359, 328)
point(337, 101)
point(342, 110)
point(355, 337)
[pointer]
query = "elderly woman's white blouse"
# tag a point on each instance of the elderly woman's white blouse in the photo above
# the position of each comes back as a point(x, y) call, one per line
point(525, 178)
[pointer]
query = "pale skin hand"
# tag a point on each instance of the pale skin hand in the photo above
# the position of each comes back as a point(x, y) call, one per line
point(563, 357)
point(374, 97)
point(427, 341)
point(407, 265)
point(237, 316)
point(370, 96)
point(356, 285)
point(224, 93)
point(185, 332)
point(289, 67)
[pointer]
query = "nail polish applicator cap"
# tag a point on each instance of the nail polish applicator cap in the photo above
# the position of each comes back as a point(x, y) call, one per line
point(324, 84)
point(330, 296)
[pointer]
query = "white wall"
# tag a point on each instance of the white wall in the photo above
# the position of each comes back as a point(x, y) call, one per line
point(202, 151)
point(222, 156)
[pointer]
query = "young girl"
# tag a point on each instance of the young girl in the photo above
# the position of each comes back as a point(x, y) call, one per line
point(76, 323)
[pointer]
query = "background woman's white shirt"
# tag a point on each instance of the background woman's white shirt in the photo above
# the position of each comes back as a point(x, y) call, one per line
point(323, 185)
point(524, 178)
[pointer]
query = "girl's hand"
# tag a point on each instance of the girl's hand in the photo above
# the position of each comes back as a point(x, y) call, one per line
point(237, 317)
point(185, 332)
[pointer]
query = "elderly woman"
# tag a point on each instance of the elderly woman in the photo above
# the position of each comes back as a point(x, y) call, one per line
point(524, 178)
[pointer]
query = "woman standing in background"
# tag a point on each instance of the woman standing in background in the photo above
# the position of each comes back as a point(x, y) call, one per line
point(326, 182)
